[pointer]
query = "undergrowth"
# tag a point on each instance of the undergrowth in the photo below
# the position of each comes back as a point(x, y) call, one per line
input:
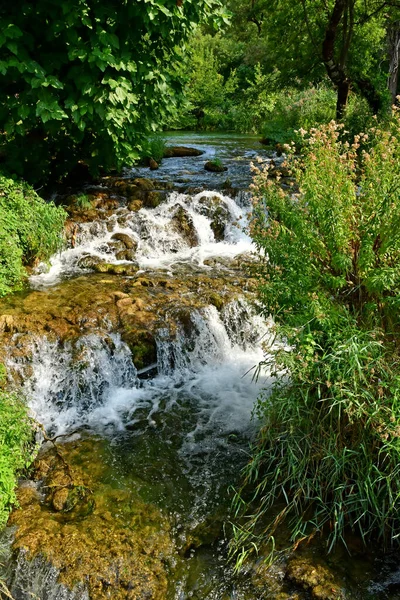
point(30, 230)
point(329, 448)
point(16, 446)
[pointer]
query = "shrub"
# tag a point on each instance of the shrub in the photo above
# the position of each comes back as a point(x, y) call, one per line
point(30, 230)
point(16, 446)
point(298, 109)
point(154, 148)
point(329, 448)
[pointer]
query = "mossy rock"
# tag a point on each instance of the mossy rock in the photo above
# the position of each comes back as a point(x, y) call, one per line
point(181, 151)
point(129, 242)
point(153, 199)
point(135, 205)
point(183, 224)
point(215, 167)
point(128, 269)
point(119, 549)
point(316, 578)
point(217, 211)
point(143, 346)
point(144, 184)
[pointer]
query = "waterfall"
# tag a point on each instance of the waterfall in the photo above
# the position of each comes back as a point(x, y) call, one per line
point(93, 382)
point(161, 240)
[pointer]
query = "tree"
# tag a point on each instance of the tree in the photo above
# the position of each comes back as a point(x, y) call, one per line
point(344, 38)
point(88, 79)
point(393, 39)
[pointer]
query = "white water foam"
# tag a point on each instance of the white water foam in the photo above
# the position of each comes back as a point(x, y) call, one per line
point(160, 243)
point(94, 383)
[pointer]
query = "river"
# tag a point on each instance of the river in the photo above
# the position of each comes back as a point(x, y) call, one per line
point(136, 348)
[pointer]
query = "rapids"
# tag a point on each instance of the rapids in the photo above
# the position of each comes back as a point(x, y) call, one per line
point(132, 499)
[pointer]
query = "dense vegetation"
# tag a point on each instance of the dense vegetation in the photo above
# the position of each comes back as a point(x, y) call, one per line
point(329, 448)
point(286, 65)
point(30, 231)
point(88, 80)
point(16, 445)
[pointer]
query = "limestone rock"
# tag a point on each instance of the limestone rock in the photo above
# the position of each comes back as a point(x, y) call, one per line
point(181, 151)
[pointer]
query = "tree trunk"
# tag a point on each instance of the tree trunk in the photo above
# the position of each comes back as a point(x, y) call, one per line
point(335, 70)
point(394, 55)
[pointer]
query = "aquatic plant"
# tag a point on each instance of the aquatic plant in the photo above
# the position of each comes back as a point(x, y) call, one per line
point(329, 448)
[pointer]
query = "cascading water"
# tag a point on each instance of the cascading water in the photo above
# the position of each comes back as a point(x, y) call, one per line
point(161, 243)
point(93, 382)
point(174, 442)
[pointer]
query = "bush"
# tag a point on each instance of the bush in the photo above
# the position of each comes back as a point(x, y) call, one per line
point(16, 446)
point(30, 230)
point(298, 109)
point(329, 448)
point(154, 147)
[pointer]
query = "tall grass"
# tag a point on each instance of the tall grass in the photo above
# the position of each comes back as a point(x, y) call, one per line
point(329, 449)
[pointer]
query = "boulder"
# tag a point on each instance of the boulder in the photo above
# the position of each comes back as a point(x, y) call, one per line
point(89, 261)
point(215, 167)
point(129, 242)
point(153, 165)
point(183, 224)
point(181, 151)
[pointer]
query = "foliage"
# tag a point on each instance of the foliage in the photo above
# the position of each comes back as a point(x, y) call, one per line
point(344, 39)
point(89, 79)
point(30, 230)
point(82, 201)
point(298, 109)
point(154, 147)
point(219, 95)
point(329, 448)
point(16, 447)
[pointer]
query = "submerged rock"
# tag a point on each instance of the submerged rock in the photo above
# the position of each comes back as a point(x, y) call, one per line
point(119, 548)
point(315, 577)
point(124, 269)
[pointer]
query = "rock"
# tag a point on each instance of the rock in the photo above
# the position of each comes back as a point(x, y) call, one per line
point(153, 165)
point(89, 261)
point(143, 346)
point(143, 184)
point(215, 167)
point(316, 578)
point(128, 269)
point(217, 211)
point(183, 224)
point(126, 255)
point(181, 151)
point(120, 550)
point(129, 242)
point(135, 205)
point(153, 199)
point(6, 323)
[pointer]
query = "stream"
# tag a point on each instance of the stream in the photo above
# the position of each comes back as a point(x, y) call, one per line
point(136, 348)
